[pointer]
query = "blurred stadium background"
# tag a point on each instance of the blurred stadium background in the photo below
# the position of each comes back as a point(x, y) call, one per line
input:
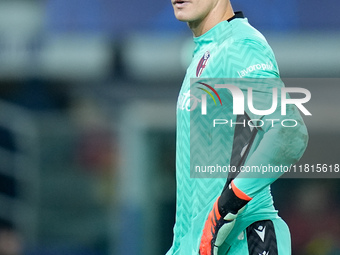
point(88, 94)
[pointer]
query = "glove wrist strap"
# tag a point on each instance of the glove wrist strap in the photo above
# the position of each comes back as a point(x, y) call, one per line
point(232, 200)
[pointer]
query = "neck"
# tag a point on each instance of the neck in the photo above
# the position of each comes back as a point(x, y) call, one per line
point(216, 15)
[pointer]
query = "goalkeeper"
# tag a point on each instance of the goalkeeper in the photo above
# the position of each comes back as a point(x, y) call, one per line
point(233, 215)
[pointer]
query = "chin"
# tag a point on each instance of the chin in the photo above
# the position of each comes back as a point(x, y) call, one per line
point(182, 17)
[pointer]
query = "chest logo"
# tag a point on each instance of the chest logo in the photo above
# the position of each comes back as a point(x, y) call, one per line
point(202, 63)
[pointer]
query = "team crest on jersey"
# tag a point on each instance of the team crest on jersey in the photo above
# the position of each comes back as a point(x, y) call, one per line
point(202, 64)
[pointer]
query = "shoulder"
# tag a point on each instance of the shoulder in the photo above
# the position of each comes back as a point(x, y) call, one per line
point(247, 37)
point(241, 29)
point(248, 53)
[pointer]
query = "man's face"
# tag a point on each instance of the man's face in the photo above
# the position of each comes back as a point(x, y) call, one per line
point(192, 10)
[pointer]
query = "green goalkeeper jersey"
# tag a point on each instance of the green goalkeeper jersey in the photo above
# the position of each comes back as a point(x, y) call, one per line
point(231, 49)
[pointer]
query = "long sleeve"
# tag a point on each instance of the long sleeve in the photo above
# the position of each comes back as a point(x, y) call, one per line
point(278, 146)
point(275, 144)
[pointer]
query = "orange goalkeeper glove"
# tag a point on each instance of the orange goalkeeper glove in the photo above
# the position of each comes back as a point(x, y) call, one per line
point(221, 219)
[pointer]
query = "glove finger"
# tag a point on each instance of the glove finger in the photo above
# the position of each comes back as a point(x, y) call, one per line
point(223, 232)
point(215, 250)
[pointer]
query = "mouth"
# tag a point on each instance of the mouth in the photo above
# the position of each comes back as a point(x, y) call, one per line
point(179, 3)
